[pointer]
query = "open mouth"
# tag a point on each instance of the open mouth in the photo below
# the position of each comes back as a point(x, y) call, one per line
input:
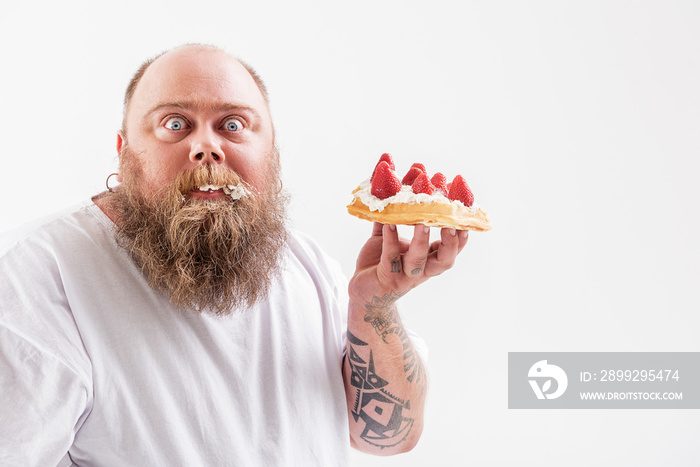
point(234, 191)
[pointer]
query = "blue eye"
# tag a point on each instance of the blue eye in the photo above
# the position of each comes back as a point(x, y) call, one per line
point(175, 124)
point(233, 124)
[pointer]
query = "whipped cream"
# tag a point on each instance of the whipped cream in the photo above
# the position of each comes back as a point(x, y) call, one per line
point(234, 191)
point(406, 195)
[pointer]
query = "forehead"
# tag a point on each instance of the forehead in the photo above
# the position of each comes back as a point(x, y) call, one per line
point(210, 78)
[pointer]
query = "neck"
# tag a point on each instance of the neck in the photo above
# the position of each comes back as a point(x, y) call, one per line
point(102, 201)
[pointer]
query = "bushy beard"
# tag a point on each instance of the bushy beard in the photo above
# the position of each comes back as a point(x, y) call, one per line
point(207, 255)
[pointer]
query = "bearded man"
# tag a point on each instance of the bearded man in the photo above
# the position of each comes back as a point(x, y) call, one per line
point(175, 320)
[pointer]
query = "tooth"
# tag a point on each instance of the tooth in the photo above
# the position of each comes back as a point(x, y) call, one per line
point(209, 188)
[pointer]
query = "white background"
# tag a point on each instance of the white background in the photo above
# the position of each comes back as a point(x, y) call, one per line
point(575, 123)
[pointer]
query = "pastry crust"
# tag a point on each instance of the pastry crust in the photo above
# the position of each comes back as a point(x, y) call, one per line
point(431, 214)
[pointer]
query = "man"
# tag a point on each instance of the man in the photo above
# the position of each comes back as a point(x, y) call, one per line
point(174, 320)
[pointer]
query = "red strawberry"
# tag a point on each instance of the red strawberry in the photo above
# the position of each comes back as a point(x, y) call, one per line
point(420, 166)
point(385, 183)
point(410, 177)
point(386, 157)
point(460, 191)
point(422, 185)
point(440, 182)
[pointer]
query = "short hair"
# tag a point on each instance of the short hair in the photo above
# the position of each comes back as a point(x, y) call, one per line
point(133, 83)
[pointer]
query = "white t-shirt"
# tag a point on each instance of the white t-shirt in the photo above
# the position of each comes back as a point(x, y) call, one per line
point(98, 369)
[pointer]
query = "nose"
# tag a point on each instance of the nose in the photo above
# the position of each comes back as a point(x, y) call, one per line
point(206, 148)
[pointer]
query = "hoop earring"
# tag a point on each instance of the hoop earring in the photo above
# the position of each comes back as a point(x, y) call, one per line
point(109, 188)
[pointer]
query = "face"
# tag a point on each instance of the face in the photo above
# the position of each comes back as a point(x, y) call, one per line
point(196, 119)
point(196, 106)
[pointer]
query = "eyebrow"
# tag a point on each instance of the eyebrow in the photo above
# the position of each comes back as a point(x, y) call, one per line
point(190, 104)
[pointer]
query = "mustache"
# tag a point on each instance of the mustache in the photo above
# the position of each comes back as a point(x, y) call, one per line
point(206, 175)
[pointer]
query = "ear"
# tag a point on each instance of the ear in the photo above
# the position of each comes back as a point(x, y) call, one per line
point(121, 142)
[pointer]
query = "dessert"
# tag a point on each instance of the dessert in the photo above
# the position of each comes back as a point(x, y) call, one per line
point(416, 199)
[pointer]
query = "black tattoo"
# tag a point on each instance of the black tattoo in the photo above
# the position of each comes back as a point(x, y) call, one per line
point(416, 271)
point(383, 315)
point(381, 411)
point(413, 365)
point(396, 266)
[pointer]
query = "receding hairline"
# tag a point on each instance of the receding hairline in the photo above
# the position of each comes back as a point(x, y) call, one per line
point(136, 78)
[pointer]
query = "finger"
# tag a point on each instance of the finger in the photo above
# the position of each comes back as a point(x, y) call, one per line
point(417, 254)
point(443, 252)
point(377, 229)
point(463, 238)
point(391, 249)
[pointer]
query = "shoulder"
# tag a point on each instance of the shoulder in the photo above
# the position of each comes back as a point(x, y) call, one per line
point(55, 229)
point(311, 256)
point(9, 237)
point(308, 258)
point(303, 245)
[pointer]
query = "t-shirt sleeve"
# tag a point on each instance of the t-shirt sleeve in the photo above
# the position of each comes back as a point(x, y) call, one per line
point(45, 372)
point(43, 403)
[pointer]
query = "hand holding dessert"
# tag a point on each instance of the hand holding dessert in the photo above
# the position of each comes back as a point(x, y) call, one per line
point(389, 266)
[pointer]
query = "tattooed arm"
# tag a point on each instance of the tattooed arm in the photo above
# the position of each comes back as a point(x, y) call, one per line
point(385, 381)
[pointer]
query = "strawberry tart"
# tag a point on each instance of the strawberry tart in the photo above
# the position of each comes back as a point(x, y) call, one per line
point(416, 199)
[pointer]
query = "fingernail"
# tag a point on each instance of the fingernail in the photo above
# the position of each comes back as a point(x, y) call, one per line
point(392, 227)
point(464, 233)
point(426, 229)
point(453, 232)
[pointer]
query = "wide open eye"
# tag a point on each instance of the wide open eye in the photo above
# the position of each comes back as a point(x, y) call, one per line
point(176, 123)
point(233, 125)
